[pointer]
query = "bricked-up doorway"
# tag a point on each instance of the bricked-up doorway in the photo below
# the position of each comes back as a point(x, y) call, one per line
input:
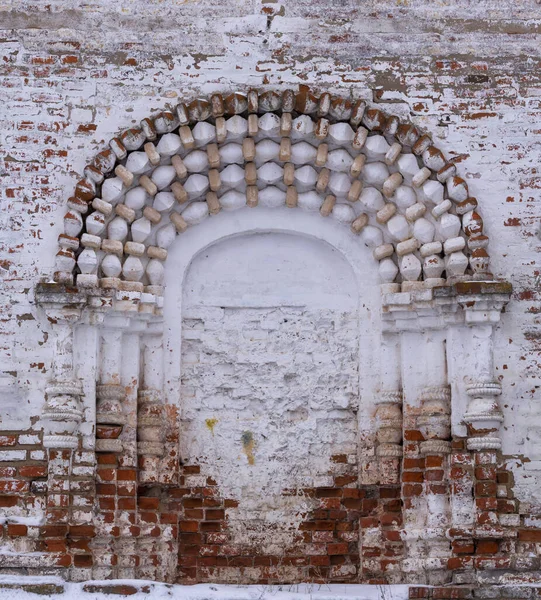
point(269, 400)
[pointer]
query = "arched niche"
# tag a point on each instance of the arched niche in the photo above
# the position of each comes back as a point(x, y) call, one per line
point(363, 185)
point(327, 235)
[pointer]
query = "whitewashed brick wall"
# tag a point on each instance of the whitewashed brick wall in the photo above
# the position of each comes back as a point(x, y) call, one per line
point(468, 72)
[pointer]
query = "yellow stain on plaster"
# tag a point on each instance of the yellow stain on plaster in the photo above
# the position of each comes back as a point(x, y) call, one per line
point(210, 423)
point(248, 445)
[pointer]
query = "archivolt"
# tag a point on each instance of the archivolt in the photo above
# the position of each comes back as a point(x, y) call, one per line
point(351, 162)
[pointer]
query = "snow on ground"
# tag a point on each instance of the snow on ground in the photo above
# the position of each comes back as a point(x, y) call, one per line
point(161, 591)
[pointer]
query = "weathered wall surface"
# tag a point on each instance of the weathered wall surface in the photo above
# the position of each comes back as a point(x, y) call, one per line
point(468, 72)
point(270, 394)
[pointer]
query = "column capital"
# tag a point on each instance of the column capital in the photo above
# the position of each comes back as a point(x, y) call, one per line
point(60, 303)
point(483, 301)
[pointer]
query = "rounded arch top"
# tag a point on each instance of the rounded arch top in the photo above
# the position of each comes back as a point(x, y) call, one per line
point(383, 179)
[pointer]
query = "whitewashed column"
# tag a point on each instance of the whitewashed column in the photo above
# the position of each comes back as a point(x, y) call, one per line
point(150, 421)
point(435, 417)
point(62, 412)
point(427, 409)
point(482, 303)
point(483, 416)
point(389, 410)
point(110, 417)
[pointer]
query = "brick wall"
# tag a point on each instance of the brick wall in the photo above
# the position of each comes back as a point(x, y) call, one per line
point(70, 79)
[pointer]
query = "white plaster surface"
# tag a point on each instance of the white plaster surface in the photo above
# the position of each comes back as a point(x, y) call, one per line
point(269, 376)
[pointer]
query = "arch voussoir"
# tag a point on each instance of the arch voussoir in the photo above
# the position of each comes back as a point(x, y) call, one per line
point(386, 181)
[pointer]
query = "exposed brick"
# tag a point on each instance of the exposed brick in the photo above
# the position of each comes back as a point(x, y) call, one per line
point(487, 547)
point(485, 488)
point(17, 530)
point(32, 471)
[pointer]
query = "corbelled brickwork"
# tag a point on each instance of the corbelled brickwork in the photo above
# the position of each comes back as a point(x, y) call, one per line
point(252, 443)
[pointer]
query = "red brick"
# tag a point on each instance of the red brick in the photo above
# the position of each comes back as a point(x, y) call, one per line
point(342, 480)
point(8, 501)
point(106, 474)
point(438, 489)
point(434, 462)
point(486, 472)
point(412, 490)
point(128, 489)
point(485, 488)
point(192, 502)
point(33, 471)
point(322, 525)
point(459, 562)
point(82, 531)
point(78, 544)
point(487, 547)
point(392, 505)
point(506, 506)
point(463, 546)
point(64, 560)
point(189, 526)
point(388, 519)
point(337, 549)
point(321, 561)
point(214, 515)
point(487, 503)
point(126, 475)
point(412, 476)
point(168, 518)
point(413, 463)
point(8, 440)
point(412, 435)
point(328, 492)
point(53, 530)
point(83, 560)
point(13, 485)
point(105, 489)
point(389, 492)
point(106, 459)
point(15, 530)
point(330, 503)
point(434, 475)
point(126, 503)
point(392, 536)
point(150, 517)
point(148, 503)
point(529, 535)
point(457, 473)
point(107, 503)
point(503, 477)
point(55, 545)
point(352, 503)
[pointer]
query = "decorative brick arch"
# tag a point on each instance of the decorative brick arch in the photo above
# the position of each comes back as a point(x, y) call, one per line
point(433, 378)
point(352, 162)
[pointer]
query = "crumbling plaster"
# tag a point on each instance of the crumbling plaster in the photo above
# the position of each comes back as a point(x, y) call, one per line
point(468, 73)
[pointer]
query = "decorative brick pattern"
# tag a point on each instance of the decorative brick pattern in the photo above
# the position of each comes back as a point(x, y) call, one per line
point(69, 85)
